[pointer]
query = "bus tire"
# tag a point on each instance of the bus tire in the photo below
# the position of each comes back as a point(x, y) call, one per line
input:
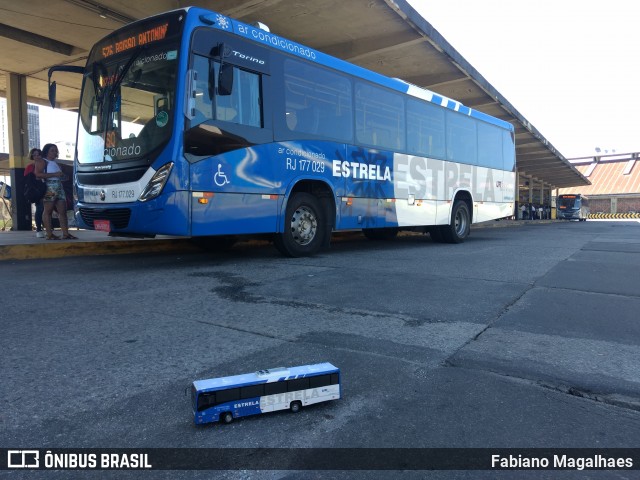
point(295, 407)
point(304, 227)
point(226, 418)
point(380, 233)
point(460, 224)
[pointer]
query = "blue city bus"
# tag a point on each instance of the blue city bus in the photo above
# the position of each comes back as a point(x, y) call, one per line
point(573, 207)
point(194, 124)
point(225, 398)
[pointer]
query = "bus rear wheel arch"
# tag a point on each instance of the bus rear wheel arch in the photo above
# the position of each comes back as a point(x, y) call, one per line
point(226, 417)
point(295, 407)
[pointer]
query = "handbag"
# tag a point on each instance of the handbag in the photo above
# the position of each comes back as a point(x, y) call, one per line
point(34, 188)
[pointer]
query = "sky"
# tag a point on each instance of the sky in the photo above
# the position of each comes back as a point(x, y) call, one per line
point(57, 125)
point(570, 67)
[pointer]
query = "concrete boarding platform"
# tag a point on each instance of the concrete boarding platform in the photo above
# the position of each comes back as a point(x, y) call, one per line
point(24, 245)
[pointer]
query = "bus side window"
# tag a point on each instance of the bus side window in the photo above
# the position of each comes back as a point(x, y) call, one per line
point(231, 395)
point(317, 101)
point(462, 138)
point(380, 117)
point(206, 400)
point(319, 381)
point(425, 129)
point(335, 379)
point(297, 384)
point(275, 388)
point(251, 391)
point(490, 146)
point(308, 120)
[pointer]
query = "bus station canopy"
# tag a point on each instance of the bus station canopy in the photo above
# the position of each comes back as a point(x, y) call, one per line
point(387, 36)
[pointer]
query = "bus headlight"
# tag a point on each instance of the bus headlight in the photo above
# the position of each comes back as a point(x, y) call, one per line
point(156, 184)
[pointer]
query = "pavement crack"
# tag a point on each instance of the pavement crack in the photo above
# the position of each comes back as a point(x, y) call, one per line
point(243, 330)
point(503, 311)
point(613, 399)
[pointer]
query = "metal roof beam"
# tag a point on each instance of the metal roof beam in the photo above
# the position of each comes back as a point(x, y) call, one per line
point(38, 41)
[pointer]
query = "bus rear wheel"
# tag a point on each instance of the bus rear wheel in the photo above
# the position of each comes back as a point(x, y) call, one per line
point(295, 407)
point(460, 225)
point(304, 226)
point(226, 417)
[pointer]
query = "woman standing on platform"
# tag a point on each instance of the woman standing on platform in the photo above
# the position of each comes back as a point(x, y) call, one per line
point(35, 154)
point(48, 169)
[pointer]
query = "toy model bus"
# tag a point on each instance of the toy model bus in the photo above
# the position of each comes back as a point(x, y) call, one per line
point(225, 398)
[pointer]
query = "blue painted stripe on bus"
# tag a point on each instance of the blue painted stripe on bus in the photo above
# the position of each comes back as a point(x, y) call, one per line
point(451, 104)
point(436, 99)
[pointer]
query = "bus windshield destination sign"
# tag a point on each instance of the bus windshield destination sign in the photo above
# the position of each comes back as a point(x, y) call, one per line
point(152, 35)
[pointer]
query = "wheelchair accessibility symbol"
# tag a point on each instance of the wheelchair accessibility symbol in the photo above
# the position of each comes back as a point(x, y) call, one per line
point(220, 177)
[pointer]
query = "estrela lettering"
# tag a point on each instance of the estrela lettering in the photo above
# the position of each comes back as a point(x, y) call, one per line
point(360, 171)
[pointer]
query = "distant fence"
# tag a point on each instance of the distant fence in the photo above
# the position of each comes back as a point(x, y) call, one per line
point(614, 215)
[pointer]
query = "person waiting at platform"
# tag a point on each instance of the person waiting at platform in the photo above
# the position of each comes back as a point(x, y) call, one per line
point(34, 154)
point(48, 169)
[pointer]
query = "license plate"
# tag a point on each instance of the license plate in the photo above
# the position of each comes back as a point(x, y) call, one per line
point(102, 225)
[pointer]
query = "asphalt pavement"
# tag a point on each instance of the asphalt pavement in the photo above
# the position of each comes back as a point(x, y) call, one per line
point(525, 336)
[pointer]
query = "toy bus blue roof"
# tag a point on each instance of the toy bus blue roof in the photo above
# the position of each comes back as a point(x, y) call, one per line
point(272, 40)
point(264, 376)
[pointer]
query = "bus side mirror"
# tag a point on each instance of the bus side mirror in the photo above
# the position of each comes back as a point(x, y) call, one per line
point(225, 79)
point(52, 85)
point(52, 94)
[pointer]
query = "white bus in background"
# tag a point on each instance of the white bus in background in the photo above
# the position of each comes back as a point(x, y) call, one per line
point(573, 207)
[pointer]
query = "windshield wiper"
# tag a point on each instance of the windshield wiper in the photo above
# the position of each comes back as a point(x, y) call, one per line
point(126, 68)
point(112, 89)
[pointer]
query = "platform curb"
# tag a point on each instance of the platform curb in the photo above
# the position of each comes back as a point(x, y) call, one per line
point(78, 248)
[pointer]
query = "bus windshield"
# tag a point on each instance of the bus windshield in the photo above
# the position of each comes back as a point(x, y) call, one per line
point(569, 202)
point(129, 91)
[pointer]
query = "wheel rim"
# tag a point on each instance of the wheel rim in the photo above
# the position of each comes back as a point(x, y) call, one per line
point(304, 226)
point(461, 222)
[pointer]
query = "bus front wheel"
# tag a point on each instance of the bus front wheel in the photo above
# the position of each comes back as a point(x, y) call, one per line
point(226, 417)
point(460, 225)
point(304, 226)
point(295, 407)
